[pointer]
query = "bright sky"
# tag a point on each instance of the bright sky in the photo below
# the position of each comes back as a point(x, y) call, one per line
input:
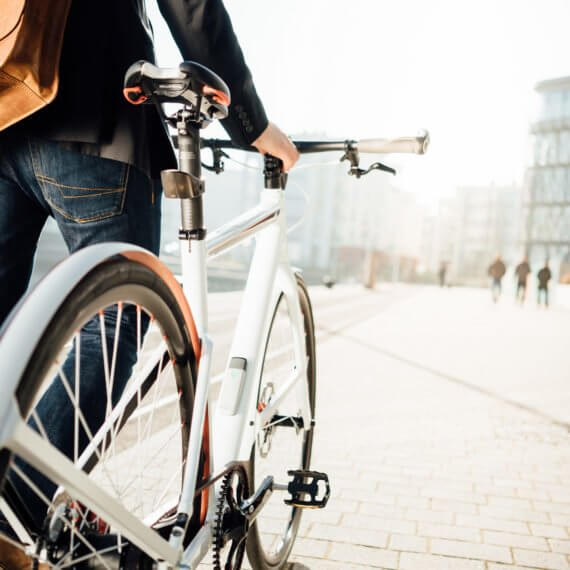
point(463, 69)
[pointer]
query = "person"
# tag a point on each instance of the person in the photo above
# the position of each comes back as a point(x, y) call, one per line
point(92, 161)
point(522, 272)
point(496, 270)
point(543, 276)
point(442, 272)
point(90, 137)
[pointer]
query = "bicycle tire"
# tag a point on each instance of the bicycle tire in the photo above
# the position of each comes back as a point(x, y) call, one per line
point(268, 548)
point(160, 394)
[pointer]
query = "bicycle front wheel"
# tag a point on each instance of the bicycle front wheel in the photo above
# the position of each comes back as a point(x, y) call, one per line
point(110, 384)
point(284, 443)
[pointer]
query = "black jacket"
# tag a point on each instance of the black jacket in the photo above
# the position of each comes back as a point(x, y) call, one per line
point(102, 39)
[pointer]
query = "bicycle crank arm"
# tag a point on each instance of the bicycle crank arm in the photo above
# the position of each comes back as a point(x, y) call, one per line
point(252, 506)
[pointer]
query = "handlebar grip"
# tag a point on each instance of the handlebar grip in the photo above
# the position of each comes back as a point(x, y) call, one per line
point(412, 145)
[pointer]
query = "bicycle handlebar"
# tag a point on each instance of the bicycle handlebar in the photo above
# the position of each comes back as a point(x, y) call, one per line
point(410, 145)
point(413, 145)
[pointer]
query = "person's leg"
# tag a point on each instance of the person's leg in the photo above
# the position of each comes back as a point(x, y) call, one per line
point(496, 289)
point(21, 221)
point(546, 296)
point(93, 200)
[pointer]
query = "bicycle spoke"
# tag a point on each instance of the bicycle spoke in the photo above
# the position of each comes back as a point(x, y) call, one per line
point(116, 341)
point(139, 329)
point(112, 373)
point(40, 424)
point(105, 358)
point(164, 465)
point(77, 338)
point(148, 424)
point(148, 462)
point(177, 473)
point(83, 421)
point(48, 503)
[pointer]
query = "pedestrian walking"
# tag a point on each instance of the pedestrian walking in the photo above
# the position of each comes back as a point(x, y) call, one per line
point(544, 276)
point(522, 272)
point(496, 270)
point(442, 272)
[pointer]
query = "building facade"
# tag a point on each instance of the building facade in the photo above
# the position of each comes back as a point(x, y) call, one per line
point(488, 225)
point(547, 183)
point(470, 229)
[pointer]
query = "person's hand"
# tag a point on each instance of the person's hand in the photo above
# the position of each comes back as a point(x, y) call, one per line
point(275, 142)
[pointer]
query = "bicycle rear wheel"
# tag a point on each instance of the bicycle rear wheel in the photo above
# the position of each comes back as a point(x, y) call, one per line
point(115, 366)
point(284, 443)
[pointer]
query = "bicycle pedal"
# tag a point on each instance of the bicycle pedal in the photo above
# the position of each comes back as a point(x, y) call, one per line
point(304, 489)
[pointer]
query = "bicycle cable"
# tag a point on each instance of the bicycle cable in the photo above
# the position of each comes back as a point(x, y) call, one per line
point(307, 202)
point(293, 184)
point(295, 169)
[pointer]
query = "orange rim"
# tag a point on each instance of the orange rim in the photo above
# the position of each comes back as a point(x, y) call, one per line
point(205, 495)
point(158, 267)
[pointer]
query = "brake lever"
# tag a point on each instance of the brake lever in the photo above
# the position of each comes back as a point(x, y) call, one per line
point(218, 163)
point(358, 172)
point(351, 154)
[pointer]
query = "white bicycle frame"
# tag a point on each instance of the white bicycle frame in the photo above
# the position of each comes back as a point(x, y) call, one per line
point(236, 419)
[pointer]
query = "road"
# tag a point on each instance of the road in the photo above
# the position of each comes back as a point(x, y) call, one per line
point(443, 421)
point(444, 428)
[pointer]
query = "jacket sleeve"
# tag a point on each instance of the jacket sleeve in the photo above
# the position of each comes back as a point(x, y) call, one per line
point(203, 32)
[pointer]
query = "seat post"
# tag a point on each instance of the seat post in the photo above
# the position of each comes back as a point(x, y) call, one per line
point(189, 160)
point(188, 143)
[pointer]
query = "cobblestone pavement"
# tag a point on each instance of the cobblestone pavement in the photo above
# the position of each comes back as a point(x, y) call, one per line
point(443, 424)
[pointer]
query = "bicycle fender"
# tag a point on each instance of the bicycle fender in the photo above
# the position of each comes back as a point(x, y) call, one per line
point(28, 320)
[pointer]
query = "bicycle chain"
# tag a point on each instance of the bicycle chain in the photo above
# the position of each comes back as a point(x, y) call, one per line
point(230, 525)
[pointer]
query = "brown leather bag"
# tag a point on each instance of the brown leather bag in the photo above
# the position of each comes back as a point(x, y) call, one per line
point(31, 36)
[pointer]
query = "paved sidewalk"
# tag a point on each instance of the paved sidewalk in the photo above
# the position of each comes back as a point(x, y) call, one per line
point(443, 424)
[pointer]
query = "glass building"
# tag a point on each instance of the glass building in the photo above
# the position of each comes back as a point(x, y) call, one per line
point(547, 185)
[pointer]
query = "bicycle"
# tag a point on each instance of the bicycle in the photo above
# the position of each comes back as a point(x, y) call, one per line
point(159, 480)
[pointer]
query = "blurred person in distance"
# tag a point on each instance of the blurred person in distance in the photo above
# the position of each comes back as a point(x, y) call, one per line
point(442, 273)
point(496, 271)
point(543, 276)
point(522, 272)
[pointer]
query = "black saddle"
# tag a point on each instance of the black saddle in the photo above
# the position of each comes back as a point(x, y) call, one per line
point(190, 84)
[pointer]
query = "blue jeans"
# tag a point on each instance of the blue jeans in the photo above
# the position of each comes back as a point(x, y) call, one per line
point(542, 292)
point(93, 200)
point(496, 288)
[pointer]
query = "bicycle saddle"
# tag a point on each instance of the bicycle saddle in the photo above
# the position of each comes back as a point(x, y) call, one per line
point(190, 84)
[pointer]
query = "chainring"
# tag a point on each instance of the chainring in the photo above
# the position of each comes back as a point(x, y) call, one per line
point(230, 524)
